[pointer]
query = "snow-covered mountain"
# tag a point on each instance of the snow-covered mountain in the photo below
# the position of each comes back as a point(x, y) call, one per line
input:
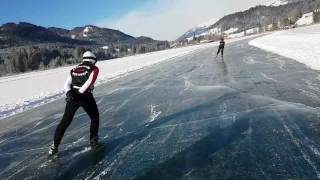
point(280, 3)
point(198, 30)
point(26, 47)
point(259, 16)
point(23, 33)
point(93, 33)
point(283, 2)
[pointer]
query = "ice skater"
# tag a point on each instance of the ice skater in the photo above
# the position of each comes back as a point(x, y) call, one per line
point(221, 48)
point(79, 87)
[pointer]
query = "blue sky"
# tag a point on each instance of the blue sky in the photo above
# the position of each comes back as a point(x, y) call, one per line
point(65, 13)
point(159, 19)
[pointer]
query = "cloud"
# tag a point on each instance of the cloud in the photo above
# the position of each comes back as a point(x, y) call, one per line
point(169, 19)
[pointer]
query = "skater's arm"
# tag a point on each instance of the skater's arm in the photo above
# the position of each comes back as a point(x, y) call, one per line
point(92, 79)
point(67, 84)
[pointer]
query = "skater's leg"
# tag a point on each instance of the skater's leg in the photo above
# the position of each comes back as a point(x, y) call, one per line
point(218, 51)
point(91, 108)
point(70, 110)
point(222, 49)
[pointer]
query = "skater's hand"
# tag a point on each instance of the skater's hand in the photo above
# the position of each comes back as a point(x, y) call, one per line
point(78, 94)
point(69, 96)
point(73, 95)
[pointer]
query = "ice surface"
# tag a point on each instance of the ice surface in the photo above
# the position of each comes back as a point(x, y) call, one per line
point(217, 119)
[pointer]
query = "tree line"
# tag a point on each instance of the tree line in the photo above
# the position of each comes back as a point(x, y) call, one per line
point(46, 56)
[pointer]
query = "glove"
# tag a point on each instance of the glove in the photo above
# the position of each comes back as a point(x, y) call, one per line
point(73, 96)
point(69, 96)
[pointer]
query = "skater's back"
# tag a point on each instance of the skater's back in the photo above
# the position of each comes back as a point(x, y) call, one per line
point(79, 87)
point(221, 47)
point(222, 43)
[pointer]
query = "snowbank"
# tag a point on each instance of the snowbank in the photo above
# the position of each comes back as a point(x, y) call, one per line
point(306, 19)
point(301, 44)
point(26, 91)
point(30, 90)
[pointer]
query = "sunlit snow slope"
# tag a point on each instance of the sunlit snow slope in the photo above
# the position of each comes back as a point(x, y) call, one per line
point(301, 44)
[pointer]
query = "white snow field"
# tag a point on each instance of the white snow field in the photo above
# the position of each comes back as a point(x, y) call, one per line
point(301, 44)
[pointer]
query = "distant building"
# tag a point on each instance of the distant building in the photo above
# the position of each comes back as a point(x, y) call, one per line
point(231, 31)
point(237, 35)
point(215, 31)
point(306, 19)
point(279, 24)
point(252, 31)
point(316, 16)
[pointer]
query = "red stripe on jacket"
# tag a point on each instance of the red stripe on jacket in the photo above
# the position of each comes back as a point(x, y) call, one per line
point(95, 76)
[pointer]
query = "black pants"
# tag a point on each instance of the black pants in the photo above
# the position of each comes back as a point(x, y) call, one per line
point(221, 49)
point(88, 103)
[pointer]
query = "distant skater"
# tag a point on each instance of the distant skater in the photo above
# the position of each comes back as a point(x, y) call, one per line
point(79, 87)
point(221, 47)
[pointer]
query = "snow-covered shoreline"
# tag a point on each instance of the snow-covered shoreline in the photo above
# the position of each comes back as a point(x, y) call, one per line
point(301, 44)
point(26, 91)
point(30, 90)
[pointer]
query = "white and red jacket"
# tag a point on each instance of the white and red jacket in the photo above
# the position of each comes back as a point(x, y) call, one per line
point(82, 78)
